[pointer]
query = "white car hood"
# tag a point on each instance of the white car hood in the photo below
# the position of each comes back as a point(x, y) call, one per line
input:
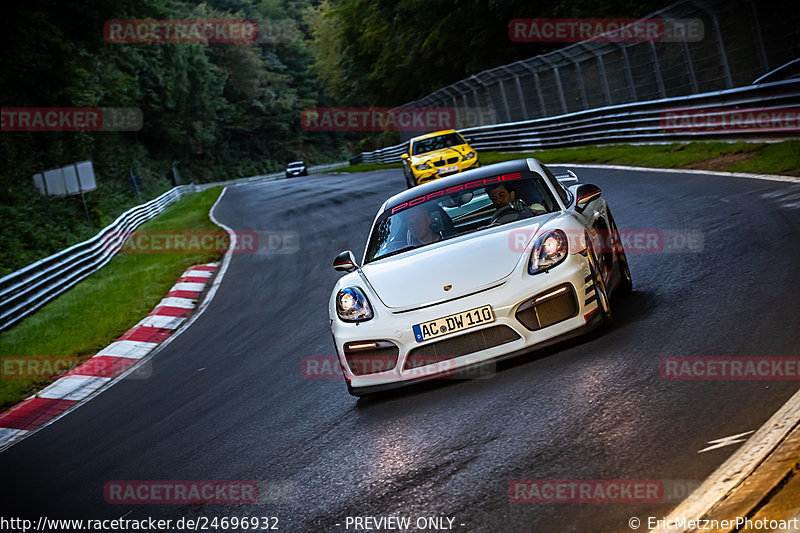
point(468, 263)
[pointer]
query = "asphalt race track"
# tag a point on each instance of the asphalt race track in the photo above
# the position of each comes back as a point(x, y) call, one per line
point(227, 401)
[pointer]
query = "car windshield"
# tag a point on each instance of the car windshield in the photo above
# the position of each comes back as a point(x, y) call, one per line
point(470, 207)
point(437, 143)
point(296, 164)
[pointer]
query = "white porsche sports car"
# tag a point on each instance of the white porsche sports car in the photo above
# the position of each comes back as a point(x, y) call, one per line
point(471, 268)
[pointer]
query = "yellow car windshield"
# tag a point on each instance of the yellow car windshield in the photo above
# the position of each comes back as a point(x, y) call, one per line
point(437, 143)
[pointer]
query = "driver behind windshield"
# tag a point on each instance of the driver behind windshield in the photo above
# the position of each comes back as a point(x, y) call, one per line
point(505, 198)
point(420, 227)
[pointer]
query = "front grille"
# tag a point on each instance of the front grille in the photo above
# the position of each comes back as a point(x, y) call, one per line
point(363, 361)
point(451, 348)
point(548, 308)
point(442, 162)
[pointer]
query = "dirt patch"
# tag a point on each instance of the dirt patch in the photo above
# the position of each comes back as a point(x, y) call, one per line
point(723, 163)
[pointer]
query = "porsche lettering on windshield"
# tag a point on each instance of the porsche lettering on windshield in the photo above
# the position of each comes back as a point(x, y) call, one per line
point(455, 188)
point(468, 207)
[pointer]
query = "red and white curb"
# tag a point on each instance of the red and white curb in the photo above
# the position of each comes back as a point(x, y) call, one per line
point(109, 363)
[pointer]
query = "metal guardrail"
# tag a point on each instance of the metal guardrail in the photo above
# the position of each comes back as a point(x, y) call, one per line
point(26, 290)
point(639, 122)
point(267, 177)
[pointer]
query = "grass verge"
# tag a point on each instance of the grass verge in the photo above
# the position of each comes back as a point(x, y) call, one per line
point(761, 158)
point(102, 307)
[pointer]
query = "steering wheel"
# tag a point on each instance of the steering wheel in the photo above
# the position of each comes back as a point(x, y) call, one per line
point(503, 211)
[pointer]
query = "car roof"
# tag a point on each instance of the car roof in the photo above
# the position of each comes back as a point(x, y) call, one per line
point(432, 134)
point(296, 163)
point(517, 165)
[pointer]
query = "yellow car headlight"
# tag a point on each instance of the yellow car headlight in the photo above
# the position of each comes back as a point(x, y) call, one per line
point(423, 166)
point(469, 156)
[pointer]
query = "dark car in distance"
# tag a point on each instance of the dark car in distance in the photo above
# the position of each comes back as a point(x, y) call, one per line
point(296, 168)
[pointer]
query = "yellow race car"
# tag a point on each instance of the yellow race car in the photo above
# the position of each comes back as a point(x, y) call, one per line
point(435, 155)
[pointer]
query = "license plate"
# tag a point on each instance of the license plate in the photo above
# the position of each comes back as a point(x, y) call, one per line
point(451, 168)
point(450, 324)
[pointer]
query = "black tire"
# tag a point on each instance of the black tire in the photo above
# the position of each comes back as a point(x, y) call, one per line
point(626, 281)
point(409, 181)
point(600, 290)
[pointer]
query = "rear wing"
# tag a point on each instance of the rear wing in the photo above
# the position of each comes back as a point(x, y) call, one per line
point(566, 177)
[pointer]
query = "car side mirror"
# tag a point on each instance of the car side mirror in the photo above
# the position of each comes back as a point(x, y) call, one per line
point(345, 262)
point(585, 194)
point(405, 156)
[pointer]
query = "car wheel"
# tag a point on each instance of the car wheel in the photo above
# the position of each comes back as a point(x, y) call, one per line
point(626, 281)
point(600, 290)
point(409, 181)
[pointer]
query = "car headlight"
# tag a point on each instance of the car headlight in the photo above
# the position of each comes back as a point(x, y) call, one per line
point(549, 250)
point(469, 156)
point(423, 166)
point(352, 305)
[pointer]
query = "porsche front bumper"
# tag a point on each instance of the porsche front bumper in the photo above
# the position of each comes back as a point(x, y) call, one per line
point(529, 311)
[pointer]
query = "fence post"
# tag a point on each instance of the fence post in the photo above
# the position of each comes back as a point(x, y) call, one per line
point(762, 53)
point(690, 67)
point(584, 99)
point(659, 77)
point(628, 73)
point(558, 84)
point(726, 70)
point(604, 78)
point(504, 98)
